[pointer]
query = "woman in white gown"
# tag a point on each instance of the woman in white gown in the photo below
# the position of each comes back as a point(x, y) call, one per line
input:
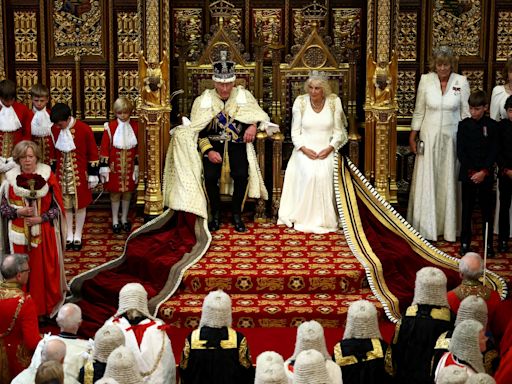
point(500, 93)
point(318, 130)
point(441, 102)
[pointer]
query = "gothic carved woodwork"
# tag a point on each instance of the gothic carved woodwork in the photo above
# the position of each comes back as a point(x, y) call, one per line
point(459, 25)
point(95, 94)
point(61, 86)
point(25, 79)
point(128, 41)
point(25, 36)
point(346, 34)
point(267, 23)
point(475, 79)
point(128, 84)
point(504, 36)
point(77, 27)
point(188, 27)
point(407, 36)
point(2, 48)
point(406, 95)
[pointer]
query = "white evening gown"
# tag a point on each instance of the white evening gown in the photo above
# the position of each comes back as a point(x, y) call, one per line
point(434, 201)
point(497, 112)
point(307, 200)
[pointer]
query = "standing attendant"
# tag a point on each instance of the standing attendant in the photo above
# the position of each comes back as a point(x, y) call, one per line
point(41, 125)
point(119, 169)
point(15, 121)
point(505, 176)
point(31, 204)
point(477, 148)
point(76, 168)
point(441, 102)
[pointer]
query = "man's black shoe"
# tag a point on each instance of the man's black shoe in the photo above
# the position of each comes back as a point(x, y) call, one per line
point(214, 224)
point(238, 223)
point(464, 248)
point(502, 247)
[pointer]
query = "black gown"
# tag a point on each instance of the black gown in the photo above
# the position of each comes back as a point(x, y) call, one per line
point(414, 341)
point(216, 356)
point(362, 361)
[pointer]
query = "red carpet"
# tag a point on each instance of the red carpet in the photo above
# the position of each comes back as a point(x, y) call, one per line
point(268, 279)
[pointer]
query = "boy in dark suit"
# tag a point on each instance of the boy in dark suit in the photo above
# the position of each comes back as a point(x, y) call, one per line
point(505, 175)
point(477, 147)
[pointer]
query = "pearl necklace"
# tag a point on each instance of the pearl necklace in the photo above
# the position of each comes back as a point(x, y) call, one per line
point(316, 107)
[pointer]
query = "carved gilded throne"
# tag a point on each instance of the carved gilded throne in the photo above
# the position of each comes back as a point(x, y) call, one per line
point(312, 51)
point(196, 76)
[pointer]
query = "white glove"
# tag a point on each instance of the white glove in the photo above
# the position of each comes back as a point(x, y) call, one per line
point(104, 174)
point(6, 164)
point(135, 175)
point(92, 181)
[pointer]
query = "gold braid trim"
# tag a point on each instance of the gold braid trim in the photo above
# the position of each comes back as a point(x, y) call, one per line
point(14, 318)
point(88, 372)
point(243, 354)
point(442, 342)
point(185, 354)
point(158, 358)
point(375, 353)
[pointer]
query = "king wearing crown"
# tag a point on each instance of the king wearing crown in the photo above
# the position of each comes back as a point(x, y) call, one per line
point(228, 119)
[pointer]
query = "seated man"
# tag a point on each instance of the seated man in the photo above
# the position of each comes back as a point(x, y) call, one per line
point(416, 333)
point(145, 336)
point(310, 368)
point(19, 330)
point(69, 319)
point(228, 116)
point(471, 269)
point(215, 353)
point(50, 372)
point(471, 308)
point(361, 353)
point(106, 339)
point(465, 350)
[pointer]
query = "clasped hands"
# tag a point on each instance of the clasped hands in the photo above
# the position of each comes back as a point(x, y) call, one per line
point(314, 155)
point(28, 214)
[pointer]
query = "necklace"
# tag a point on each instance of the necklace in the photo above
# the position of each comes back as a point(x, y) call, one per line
point(317, 106)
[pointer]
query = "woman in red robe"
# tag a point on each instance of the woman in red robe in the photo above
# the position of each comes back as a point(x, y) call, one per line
point(31, 207)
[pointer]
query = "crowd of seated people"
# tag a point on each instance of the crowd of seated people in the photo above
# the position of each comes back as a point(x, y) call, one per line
point(431, 343)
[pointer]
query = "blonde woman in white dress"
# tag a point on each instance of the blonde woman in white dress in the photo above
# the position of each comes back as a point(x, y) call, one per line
point(318, 131)
point(500, 93)
point(441, 102)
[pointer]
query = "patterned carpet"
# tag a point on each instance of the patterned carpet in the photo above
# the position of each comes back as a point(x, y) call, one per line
point(277, 277)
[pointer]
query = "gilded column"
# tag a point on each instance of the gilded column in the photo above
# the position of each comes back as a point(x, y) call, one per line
point(154, 108)
point(380, 103)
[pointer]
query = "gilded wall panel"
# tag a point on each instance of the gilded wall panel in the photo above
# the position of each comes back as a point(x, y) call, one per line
point(61, 86)
point(77, 28)
point(128, 81)
point(188, 27)
point(25, 36)
point(407, 36)
point(504, 36)
point(235, 24)
point(453, 19)
point(95, 94)
point(269, 23)
point(300, 27)
point(346, 33)
point(406, 95)
point(475, 79)
point(25, 79)
point(128, 45)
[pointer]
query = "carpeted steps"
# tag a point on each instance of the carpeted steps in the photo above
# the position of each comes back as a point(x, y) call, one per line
point(277, 277)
